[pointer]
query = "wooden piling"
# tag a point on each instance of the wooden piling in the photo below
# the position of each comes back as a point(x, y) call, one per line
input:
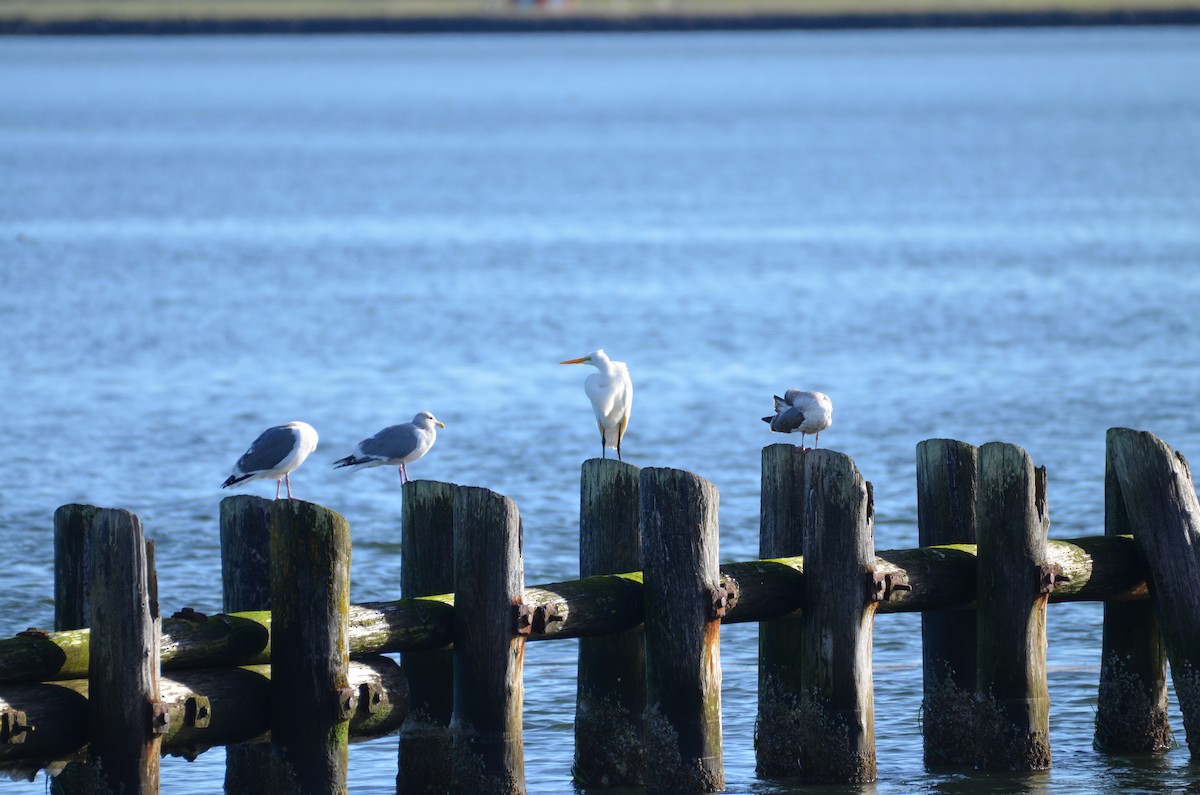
point(1131, 705)
point(311, 700)
point(72, 565)
point(837, 711)
point(245, 531)
point(684, 600)
point(245, 553)
point(780, 534)
point(126, 719)
point(1164, 514)
point(426, 568)
point(611, 688)
point(947, 480)
point(1014, 582)
point(487, 748)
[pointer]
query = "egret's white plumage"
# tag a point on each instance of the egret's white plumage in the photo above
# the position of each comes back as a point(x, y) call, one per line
point(611, 393)
point(803, 413)
point(395, 445)
point(275, 454)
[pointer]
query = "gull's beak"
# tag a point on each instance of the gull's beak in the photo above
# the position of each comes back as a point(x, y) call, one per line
point(580, 360)
point(439, 423)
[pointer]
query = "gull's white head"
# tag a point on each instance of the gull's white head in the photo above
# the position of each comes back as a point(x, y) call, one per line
point(427, 420)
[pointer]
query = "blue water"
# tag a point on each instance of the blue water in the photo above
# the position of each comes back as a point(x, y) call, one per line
point(970, 234)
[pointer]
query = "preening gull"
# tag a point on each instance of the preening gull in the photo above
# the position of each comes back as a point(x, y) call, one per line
point(395, 445)
point(611, 393)
point(275, 454)
point(803, 413)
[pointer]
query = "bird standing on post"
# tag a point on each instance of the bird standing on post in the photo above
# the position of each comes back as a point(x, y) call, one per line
point(803, 413)
point(275, 454)
point(395, 445)
point(611, 393)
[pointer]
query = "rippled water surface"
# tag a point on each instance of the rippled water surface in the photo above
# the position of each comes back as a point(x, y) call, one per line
point(977, 235)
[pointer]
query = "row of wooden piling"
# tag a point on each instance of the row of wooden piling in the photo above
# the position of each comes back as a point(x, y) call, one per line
point(648, 612)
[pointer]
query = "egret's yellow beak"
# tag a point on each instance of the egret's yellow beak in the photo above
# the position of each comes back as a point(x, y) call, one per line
point(580, 360)
point(439, 423)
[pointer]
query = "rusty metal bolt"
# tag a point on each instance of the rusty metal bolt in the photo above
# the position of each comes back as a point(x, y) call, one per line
point(722, 599)
point(347, 702)
point(1049, 576)
point(877, 586)
point(160, 721)
point(188, 614)
point(523, 618)
point(732, 590)
point(34, 632)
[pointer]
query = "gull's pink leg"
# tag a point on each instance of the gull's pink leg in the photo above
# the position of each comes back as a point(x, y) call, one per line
point(277, 483)
point(288, 479)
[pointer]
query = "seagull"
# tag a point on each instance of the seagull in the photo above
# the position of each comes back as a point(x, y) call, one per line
point(802, 412)
point(611, 393)
point(275, 454)
point(396, 444)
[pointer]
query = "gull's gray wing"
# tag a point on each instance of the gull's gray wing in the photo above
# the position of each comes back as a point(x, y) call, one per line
point(268, 450)
point(787, 421)
point(395, 441)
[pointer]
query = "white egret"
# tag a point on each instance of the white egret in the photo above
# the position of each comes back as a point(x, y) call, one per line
point(395, 445)
point(803, 413)
point(611, 393)
point(275, 454)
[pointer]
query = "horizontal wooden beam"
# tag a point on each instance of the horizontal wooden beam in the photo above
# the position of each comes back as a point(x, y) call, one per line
point(204, 707)
point(1097, 568)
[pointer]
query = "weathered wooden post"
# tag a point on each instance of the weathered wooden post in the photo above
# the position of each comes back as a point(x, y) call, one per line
point(487, 748)
point(72, 565)
point(426, 568)
point(311, 699)
point(780, 534)
point(1013, 587)
point(841, 591)
point(245, 530)
point(126, 719)
point(611, 689)
point(947, 480)
point(1131, 707)
point(1164, 514)
point(684, 602)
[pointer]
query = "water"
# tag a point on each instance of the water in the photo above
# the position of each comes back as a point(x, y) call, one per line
point(970, 234)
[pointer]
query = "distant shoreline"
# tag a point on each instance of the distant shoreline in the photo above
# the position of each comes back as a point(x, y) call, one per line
point(594, 23)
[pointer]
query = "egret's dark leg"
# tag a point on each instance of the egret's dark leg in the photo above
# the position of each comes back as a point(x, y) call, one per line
point(619, 449)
